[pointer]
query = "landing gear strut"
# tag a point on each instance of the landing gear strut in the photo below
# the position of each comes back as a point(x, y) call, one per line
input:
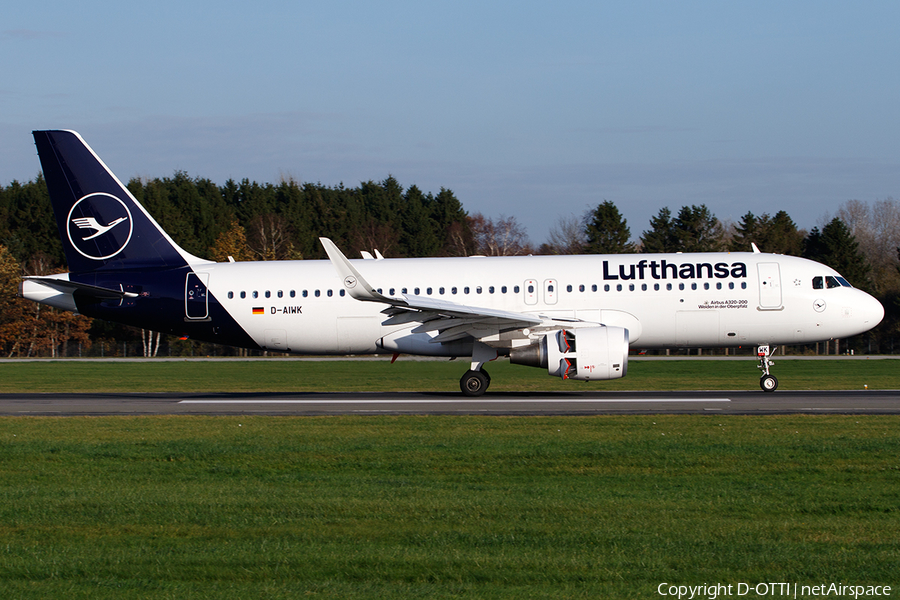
point(767, 382)
point(476, 380)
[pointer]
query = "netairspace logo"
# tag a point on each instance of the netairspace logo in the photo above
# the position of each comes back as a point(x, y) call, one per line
point(771, 590)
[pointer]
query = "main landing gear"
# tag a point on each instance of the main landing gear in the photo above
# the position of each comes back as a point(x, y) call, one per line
point(767, 382)
point(474, 383)
point(476, 380)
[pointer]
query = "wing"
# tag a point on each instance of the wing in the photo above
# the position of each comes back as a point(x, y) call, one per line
point(452, 321)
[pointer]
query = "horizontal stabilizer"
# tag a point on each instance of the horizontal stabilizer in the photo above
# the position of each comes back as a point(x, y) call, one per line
point(94, 291)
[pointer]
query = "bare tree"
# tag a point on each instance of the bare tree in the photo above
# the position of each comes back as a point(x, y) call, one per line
point(268, 236)
point(567, 236)
point(876, 228)
point(505, 237)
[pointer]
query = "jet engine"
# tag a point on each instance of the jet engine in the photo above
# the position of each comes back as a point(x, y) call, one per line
point(583, 353)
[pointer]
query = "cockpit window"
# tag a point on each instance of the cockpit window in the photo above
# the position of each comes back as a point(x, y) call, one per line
point(818, 283)
point(843, 282)
point(831, 282)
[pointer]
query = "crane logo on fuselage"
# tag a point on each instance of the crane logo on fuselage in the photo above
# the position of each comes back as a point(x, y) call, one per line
point(99, 226)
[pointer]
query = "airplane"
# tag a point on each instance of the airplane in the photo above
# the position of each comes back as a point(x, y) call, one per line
point(575, 316)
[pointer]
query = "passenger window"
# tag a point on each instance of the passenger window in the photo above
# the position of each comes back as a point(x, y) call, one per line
point(256, 294)
point(530, 289)
point(230, 295)
point(417, 291)
point(478, 290)
point(453, 290)
point(503, 290)
point(403, 290)
point(581, 288)
point(730, 285)
point(818, 283)
point(317, 293)
point(305, 293)
point(491, 290)
point(243, 295)
point(594, 287)
point(516, 289)
point(718, 285)
point(743, 285)
point(568, 288)
point(630, 287)
point(618, 287)
point(705, 286)
point(669, 287)
point(643, 287)
point(466, 290)
point(441, 291)
point(606, 287)
point(293, 294)
point(655, 287)
point(428, 291)
point(681, 286)
point(391, 292)
point(331, 293)
point(693, 286)
point(342, 293)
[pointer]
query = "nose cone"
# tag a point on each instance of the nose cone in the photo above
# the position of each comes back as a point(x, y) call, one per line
point(873, 312)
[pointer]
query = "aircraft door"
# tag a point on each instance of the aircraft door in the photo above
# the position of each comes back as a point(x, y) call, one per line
point(551, 289)
point(769, 286)
point(196, 303)
point(531, 291)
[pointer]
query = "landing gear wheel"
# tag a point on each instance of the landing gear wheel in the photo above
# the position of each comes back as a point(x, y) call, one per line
point(768, 383)
point(474, 383)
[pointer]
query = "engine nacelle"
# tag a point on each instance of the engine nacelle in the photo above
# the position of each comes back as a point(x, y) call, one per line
point(583, 353)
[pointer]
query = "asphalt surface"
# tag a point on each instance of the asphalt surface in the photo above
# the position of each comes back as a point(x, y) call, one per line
point(535, 403)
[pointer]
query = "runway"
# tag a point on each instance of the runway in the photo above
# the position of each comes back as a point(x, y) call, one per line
point(523, 404)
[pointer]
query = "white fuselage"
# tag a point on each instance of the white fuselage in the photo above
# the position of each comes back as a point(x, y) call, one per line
point(664, 300)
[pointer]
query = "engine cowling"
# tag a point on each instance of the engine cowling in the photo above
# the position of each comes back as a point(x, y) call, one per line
point(583, 353)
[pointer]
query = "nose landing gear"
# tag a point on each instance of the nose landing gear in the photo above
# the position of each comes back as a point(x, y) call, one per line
point(767, 381)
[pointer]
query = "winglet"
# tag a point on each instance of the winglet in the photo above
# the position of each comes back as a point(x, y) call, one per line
point(353, 282)
point(755, 248)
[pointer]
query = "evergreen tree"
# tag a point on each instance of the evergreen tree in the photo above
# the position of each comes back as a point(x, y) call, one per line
point(783, 236)
point(836, 247)
point(420, 233)
point(778, 234)
point(661, 236)
point(698, 230)
point(745, 233)
point(607, 231)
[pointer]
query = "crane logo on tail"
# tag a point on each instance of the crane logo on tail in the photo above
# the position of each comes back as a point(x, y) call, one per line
point(100, 226)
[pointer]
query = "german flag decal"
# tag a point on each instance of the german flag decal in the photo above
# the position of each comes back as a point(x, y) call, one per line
point(259, 310)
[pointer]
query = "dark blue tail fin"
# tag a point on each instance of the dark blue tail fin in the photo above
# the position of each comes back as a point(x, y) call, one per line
point(101, 224)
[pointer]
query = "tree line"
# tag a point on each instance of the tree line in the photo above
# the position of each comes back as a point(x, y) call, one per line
point(252, 221)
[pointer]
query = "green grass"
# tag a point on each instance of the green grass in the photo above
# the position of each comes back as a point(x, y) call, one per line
point(442, 507)
point(427, 376)
point(284, 376)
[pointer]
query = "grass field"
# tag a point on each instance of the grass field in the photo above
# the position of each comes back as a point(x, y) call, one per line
point(442, 507)
point(300, 376)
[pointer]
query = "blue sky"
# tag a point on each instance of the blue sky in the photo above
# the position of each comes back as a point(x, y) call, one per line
point(532, 109)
